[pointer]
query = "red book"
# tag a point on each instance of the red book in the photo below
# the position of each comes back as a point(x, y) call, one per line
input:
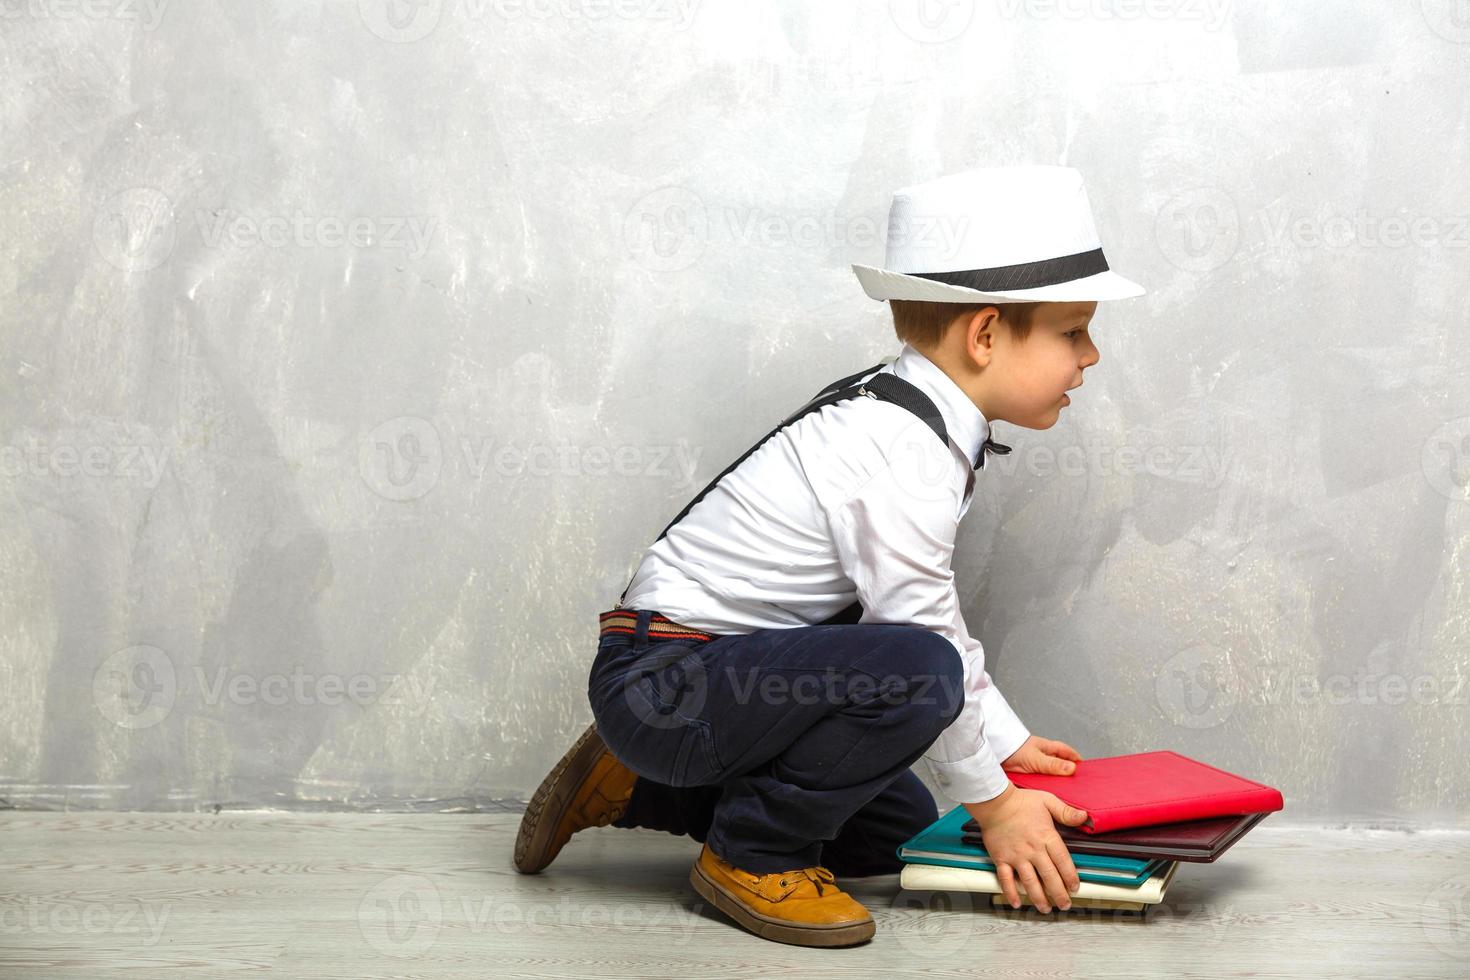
point(1148, 788)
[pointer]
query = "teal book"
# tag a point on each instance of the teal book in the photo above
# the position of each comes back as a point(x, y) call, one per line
point(940, 843)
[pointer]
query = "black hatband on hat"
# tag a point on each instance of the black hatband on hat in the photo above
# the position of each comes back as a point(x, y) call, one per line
point(1024, 275)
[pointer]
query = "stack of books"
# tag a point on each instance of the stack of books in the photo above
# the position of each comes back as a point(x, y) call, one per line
point(1147, 812)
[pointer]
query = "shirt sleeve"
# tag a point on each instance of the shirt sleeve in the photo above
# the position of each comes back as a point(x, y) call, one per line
point(895, 546)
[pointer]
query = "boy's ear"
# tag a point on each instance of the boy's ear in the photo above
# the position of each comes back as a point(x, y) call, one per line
point(978, 329)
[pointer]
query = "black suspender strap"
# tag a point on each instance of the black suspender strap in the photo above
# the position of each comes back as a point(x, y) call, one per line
point(885, 387)
point(892, 388)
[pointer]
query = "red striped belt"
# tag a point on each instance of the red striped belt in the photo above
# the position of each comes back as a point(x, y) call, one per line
point(660, 627)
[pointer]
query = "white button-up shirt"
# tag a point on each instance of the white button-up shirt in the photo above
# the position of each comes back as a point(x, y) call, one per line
point(857, 500)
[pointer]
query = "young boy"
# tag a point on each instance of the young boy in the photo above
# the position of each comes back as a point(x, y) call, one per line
point(793, 642)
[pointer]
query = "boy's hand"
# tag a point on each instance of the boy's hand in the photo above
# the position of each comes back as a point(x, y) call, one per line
point(1043, 755)
point(1017, 827)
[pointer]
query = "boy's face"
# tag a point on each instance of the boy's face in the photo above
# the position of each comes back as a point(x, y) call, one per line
point(1026, 381)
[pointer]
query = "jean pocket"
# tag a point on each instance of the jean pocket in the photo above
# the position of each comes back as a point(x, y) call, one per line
point(683, 755)
point(714, 766)
point(656, 707)
point(675, 679)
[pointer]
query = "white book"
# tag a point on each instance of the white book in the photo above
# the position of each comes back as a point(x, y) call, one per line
point(912, 854)
point(936, 877)
point(1078, 904)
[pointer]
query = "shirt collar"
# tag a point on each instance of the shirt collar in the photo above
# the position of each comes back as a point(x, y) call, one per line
point(963, 420)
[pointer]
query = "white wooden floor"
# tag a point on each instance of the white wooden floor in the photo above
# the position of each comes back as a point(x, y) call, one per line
point(433, 895)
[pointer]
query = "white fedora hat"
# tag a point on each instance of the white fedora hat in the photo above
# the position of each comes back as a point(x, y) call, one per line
point(1008, 234)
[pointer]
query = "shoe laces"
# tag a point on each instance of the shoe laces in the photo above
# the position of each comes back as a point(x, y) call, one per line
point(817, 875)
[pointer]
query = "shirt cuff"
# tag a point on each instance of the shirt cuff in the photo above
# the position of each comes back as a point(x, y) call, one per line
point(1004, 730)
point(979, 777)
point(973, 780)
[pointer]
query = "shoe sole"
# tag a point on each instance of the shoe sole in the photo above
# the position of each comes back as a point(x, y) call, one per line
point(778, 930)
point(549, 803)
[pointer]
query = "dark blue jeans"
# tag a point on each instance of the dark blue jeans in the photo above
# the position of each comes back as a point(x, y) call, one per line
point(781, 748)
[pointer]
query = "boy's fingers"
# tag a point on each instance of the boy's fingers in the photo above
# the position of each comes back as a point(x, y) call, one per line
point(1032, 884)
point(1007, 883)
point(1056, 889)
point(1063, 860)
point(1065, 751)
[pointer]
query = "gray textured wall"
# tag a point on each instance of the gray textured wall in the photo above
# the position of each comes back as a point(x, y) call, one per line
point(352, 353)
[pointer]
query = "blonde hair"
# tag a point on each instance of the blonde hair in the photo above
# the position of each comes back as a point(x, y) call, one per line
point(921, 323)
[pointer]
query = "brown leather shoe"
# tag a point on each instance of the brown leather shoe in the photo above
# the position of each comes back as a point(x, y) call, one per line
point(587, 788)
point(803, 907)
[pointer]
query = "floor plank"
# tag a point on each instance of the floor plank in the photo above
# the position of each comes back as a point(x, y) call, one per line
point(433, 896)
